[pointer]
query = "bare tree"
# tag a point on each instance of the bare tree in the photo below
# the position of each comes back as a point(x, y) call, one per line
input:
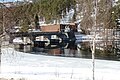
point(95, 14)
point(5, 22)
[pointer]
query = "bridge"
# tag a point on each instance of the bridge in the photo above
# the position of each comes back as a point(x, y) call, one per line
point(65, 36)
point(29, 34)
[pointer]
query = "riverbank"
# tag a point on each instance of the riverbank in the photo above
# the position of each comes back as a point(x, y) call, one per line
point(19, 65)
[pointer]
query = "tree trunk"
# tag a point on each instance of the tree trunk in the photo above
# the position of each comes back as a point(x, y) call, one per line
point(93, 58)
point(0, 54)
point(94, 39)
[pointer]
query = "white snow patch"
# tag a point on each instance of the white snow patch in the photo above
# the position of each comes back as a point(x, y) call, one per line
point(18, 40)
point(39, 67)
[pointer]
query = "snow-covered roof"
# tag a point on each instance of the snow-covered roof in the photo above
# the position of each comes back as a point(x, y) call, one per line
point(18, 40)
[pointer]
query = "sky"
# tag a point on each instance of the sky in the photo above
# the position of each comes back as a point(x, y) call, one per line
point(9, 0)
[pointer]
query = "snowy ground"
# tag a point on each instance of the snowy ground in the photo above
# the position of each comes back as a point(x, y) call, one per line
point(40, 67)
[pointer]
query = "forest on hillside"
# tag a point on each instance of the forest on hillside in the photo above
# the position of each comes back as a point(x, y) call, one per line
point(24, 13)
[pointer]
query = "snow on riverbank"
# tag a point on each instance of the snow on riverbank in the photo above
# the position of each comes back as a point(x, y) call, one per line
point(40, 67)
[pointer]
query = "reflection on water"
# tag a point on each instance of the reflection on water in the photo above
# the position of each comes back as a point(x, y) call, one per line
point(71, 49)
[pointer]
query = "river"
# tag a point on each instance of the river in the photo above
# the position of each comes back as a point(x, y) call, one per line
point(72, 49)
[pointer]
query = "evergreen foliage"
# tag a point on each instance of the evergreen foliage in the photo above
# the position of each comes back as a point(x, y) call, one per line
point(116, 12)
point(50, 9)
point(24, 25)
